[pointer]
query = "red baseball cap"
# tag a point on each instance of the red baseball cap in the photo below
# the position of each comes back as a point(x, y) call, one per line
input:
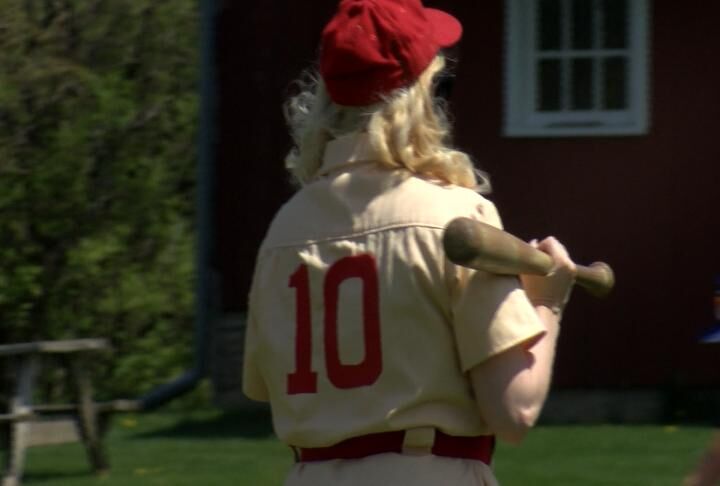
point(372, 47)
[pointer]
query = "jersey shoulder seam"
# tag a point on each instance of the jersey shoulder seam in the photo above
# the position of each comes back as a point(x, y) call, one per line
point(353, 235)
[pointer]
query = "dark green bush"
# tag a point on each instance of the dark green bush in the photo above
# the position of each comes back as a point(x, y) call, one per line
point(98, 121)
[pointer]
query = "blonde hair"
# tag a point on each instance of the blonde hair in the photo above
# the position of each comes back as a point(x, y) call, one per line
point(408, 131)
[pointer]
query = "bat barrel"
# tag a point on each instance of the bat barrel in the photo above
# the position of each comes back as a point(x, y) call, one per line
point(478, 245)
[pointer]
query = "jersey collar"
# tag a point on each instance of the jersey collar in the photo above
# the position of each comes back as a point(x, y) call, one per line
point(346, 150)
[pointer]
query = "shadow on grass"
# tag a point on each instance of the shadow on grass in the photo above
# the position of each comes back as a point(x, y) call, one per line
point(51, 476)
point(252, 424)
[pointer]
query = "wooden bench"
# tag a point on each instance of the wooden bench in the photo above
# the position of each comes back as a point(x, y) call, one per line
point(27, 424)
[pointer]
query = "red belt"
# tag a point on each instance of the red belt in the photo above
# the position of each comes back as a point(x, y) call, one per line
point(479, 448)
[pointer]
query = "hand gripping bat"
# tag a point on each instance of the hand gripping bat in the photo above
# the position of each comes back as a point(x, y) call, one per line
point(477, 245)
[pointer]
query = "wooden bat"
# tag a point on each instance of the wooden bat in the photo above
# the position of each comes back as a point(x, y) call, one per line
point(477, 245)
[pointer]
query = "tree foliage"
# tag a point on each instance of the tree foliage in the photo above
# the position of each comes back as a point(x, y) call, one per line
point(98, 121)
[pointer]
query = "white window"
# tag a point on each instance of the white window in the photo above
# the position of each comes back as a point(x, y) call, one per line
point(576, 67)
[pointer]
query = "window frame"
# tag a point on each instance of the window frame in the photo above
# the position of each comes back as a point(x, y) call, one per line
point(522, 119)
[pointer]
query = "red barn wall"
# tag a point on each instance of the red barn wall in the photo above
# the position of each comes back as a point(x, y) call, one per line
point(648, 204)
point(261, 46)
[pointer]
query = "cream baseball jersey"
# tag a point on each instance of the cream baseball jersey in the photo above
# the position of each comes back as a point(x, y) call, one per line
point(358, 323)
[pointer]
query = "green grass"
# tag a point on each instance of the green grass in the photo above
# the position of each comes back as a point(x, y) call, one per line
point(602, 455)
point(211, 448)
point(199, 449)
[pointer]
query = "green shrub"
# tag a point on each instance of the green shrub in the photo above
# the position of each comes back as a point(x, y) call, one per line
point(98, 121)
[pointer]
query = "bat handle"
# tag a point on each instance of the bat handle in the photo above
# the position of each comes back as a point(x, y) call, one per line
point(597, 278)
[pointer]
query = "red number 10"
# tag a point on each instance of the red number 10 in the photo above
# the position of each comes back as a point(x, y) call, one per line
point(304, 379)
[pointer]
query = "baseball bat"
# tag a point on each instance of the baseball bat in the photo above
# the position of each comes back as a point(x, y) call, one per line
point(478, 245)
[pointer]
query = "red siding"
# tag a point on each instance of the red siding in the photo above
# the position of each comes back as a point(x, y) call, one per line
point(648, 205)
point(261, 47)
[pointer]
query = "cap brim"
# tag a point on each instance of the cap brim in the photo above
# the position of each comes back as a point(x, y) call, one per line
point(447, 30)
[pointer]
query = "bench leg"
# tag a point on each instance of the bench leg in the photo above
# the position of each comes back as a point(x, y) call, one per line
point(16, 439)
point(17, 432)
point(88, 418)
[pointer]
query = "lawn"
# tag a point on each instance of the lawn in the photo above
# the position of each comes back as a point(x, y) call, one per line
point(209, 448)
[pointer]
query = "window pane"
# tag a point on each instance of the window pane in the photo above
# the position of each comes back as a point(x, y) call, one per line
point(615, 83)
point(616, 20)
point(549, 83)
point(582, 24)
point(550, 25)
point(581, 72)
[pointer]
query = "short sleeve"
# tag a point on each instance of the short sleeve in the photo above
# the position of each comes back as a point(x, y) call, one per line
point(253, 384)
point(491, 313)
point(487, 213)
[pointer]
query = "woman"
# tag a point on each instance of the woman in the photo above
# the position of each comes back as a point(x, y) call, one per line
point(383, 362)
